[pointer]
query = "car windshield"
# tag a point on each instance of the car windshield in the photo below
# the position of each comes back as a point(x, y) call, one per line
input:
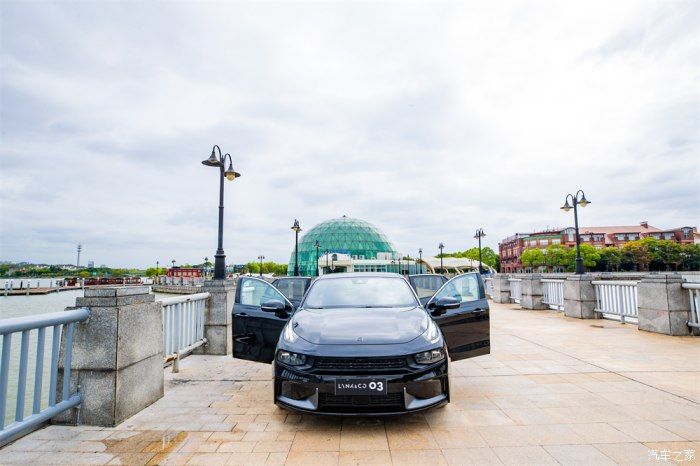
point(366, 292)
point(427, 285)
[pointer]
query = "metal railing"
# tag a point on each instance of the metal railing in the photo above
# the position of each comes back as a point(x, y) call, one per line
point(41, 411)
point(488, 287)
point(516, 289)
point(694, 291)
point(183, 326)
point(553, 294)
point(616, 297)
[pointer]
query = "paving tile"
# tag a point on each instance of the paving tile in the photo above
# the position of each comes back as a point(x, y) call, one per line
point(247, 459)
point(356, 438)
point(206, 459)
point(408, 437)
point(646, 431)
point(272, 446)
point(578, 454)
point(364, 458)
point(524, 455)
point(471, 456)
point(506, 435)
point(304, 458)
point(688, 429)
point(170, 458)
point(422, 457)
point(316, 440)
point(132, 458)
point(457, 437)
point(239, 447)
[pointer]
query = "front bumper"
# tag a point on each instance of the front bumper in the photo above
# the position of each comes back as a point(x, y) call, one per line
point(408, 391)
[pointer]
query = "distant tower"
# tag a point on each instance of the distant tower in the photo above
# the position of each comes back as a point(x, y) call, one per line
point(80, 248)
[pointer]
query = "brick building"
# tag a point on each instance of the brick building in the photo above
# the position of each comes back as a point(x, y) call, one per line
point(510, 249)
point(185, 272)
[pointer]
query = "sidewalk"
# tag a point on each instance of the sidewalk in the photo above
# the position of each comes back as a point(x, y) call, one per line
point(554, 390)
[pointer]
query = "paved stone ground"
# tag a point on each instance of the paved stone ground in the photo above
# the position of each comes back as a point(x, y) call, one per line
point(554, 390)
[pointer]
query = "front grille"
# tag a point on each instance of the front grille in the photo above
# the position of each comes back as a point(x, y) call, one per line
point(359, 364)
point(390, 402)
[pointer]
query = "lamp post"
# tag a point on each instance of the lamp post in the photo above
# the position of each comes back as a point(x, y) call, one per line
point(400, 270)
point(420, 259)
point(157, 272)
point(583, 202)
point(393, 263)
point(261, 257)
point(441, 247)
point(326, 252)
point(296, 229)
point(318, 247)
point(173, 262)
point(480, 234)
point(230, 174)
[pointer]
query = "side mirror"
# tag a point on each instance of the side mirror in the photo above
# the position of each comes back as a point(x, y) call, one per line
point(274, 305)
point(445, 303)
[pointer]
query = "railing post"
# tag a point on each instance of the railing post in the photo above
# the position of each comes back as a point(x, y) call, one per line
point(580, 297)
point(532, 292)
point(663, 305)
point(117, 357)
point(501, 289)
point(217, 316)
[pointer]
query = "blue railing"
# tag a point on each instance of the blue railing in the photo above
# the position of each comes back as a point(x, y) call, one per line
point(24, 325)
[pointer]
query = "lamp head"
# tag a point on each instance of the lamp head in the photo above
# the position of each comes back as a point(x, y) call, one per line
point(296, 226)
point(583, 202)
point(566, 207)
point(212, 161)
point(440, 246)
point(231, 174)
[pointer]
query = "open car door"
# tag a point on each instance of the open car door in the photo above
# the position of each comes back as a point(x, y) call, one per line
point(461, 311)
point(260, 312)
point(426, 285)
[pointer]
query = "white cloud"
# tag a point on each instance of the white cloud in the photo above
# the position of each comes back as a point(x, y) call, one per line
point(429, 120)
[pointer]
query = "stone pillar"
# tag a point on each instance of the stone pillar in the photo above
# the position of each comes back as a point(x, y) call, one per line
point(663, 305)
point(117, 360)
point(501, 289)
point(217, 319)
point(532, 292)
point(579, 297)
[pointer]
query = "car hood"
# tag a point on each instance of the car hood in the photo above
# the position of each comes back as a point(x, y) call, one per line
point(360, 326)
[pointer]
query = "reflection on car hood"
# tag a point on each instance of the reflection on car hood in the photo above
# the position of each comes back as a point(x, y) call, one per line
point(360, 326)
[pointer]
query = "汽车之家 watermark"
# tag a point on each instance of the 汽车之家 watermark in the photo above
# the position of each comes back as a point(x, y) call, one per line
point(676, 456)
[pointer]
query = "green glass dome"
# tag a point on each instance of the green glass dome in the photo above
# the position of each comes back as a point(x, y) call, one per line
point(339, 235)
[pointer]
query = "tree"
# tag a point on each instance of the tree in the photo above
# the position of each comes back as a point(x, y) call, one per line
point(532, 257)
point(556, 255)
point(610, 260)
point(636, 256)
point(690, 257)
point(488, 256)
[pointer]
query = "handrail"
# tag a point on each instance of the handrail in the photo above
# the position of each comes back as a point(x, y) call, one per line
point(615, 282)
point(183, 326)
point(59, 322)
point(184, 298)
point(694, 295)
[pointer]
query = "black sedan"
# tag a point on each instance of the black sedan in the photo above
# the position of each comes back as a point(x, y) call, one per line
point(361, 343)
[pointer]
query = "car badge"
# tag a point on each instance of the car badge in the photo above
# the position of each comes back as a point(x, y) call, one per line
point(359, 339)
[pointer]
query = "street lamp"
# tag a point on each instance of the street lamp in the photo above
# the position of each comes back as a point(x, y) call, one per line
point(230, 174)
point(157, 272)
point(261, 259)
point(441, 247)
point(480, 234)
point(326, 252)
point(400, 270)
point(296, 229)
point(392, 264)
point(173, 261)
point(318, 246)
point(420, 259)
point(583, 202)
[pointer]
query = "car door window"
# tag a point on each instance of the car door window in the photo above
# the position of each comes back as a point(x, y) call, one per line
point(464, 288)
point(293, 289)
point(426, 285)
point(255, 292)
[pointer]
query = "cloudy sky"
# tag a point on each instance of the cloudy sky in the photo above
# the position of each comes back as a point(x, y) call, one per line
point(427, 119)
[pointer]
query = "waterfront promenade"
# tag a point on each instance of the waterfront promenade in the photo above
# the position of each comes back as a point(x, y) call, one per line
point(554, 390)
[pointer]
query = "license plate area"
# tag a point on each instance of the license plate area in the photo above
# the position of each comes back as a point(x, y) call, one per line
point(361, 386)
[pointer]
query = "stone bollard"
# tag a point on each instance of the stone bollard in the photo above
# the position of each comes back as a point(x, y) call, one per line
point(501, 289)
point(217, 318)
point(117, 361)
point(532, 292)
point(663, 305)
point(579, 297)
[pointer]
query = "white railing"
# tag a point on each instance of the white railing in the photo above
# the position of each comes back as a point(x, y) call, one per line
point(516, 289)
point(488, 287)
point(553, 294)
point(616, 297)
point(694, 291)
point(183, 325)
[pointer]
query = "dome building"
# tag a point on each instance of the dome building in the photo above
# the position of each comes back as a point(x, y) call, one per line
point(345, 245)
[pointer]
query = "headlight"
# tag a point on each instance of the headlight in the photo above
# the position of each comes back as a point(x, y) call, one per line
point(433, 332)
point(429, 357)
point(291, 359)
point(288, 334)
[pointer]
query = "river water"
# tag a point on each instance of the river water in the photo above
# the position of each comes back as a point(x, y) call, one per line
point(20, 306)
